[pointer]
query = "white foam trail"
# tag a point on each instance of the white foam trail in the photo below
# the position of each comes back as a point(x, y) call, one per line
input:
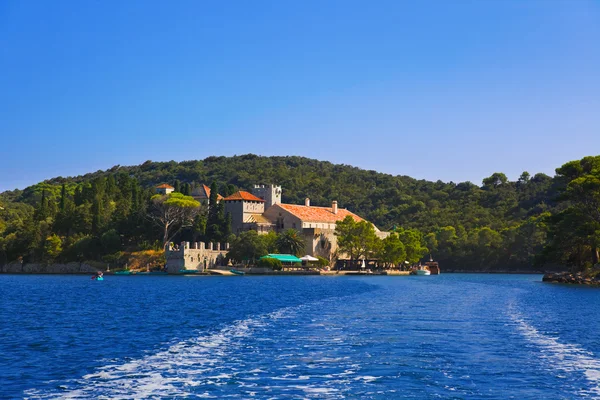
point(565, 357)
point(169, 373)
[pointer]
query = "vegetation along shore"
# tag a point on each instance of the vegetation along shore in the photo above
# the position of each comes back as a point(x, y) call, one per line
point(116, 217)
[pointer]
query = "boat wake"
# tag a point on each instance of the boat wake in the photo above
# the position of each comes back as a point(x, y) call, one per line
point(565, 357)
point(173, 372)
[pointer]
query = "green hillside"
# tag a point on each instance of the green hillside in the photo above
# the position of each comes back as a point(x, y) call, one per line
point(498, 225)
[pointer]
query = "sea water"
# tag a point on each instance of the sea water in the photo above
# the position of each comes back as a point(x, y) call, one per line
point(453, 336)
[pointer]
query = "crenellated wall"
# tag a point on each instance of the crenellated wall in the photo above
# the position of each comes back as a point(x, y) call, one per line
point(194, 256)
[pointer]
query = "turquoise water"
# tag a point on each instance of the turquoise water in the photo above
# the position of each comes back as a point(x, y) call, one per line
point(449, 336)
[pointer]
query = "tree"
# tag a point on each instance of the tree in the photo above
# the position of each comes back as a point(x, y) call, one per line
point(111, 241)
point(248, 246)
point(524, 178)
point(357, 239)
point(43, 211)
point(52, 247)
point(198, 228)
point(575, 231)
point(171, 213)
point(63, 195)
point(270, 241)
point(218, 224)
point(495, 180)
point(289, 242)
point(413, 244)
point(392, 251)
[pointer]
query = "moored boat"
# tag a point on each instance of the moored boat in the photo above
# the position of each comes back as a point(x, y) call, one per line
point(433, 266)
point(421, 270)
point(188, 271)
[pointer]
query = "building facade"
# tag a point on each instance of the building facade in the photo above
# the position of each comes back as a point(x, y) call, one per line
point(197, 256)
point(201, 193)
point(263, 212)
point(164, 189)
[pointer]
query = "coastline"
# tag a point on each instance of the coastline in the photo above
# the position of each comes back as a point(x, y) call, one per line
point(91, 267)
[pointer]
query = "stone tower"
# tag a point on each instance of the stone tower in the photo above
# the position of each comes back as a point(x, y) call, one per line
point(271, 194)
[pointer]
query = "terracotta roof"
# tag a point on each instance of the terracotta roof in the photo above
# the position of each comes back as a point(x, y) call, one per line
point(242, 195)
point(318, 214)
point(203, 192)
point(165, 186)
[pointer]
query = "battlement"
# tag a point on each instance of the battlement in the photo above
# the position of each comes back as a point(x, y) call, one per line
point(271, 194)
point(195, 256)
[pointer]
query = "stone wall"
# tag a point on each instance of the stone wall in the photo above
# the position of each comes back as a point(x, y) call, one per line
point(319, 242)
point(236, 209)
point(194, 256)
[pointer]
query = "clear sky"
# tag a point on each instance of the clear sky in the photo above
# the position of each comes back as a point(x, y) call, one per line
point(448, 89)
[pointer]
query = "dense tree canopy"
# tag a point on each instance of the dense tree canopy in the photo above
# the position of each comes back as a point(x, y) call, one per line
point(500, 224)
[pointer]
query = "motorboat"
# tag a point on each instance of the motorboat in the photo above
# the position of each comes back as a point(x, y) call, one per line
point(422, 270)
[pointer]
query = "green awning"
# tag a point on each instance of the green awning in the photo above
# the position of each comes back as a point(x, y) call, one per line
point(283, 257)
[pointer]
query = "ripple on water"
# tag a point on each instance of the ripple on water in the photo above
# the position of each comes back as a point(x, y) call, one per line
point(401, 338)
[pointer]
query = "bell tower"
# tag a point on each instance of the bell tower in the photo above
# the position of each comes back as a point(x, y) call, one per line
point(271, 194)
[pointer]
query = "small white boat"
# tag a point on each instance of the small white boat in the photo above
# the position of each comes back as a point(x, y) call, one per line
point(421, 270)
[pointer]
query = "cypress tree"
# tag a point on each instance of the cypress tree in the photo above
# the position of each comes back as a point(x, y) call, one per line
point(78, 196)
point(213, 223)
point(96, 215)
point(185, 189)
point(214, 195)
point(42, 211)
point(63, 194)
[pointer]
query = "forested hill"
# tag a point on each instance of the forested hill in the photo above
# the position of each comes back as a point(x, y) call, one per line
point(383, 199)
point(498, 224)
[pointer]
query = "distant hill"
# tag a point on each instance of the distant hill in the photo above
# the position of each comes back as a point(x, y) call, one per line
point(384, 199)
point(495, 225)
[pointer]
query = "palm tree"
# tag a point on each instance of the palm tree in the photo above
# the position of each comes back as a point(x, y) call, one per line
point(290, 242)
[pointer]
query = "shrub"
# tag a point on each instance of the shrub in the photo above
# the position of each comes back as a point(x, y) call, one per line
point(272, 263)
point(323, 262)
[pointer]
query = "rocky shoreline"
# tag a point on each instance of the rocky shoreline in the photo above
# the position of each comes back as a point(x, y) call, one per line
point(569, 277)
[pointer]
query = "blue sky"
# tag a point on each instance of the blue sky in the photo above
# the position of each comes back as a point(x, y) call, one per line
point(450, 90)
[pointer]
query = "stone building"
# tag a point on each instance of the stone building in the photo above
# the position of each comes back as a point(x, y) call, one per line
point(244, 208)
point(263, 211)
point(164, 189)
point(195, 256)
point(201, 193)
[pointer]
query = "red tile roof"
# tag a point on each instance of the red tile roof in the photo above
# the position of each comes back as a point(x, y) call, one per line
point(242, 195)
point(318, 214)
point(165, 186)
point(205, 193)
